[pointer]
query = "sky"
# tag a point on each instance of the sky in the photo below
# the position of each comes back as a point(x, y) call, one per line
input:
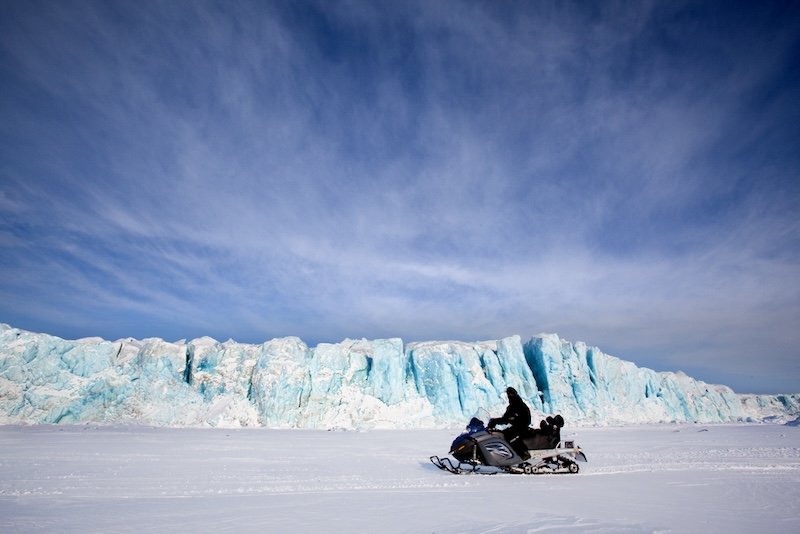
point(623, 174)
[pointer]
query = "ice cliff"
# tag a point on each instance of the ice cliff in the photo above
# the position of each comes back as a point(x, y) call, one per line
point(353, 384)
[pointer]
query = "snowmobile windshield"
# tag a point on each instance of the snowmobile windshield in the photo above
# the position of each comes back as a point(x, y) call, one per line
point(478, 421)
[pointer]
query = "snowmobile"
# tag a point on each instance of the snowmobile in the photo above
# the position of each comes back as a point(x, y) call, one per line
point(486, 451)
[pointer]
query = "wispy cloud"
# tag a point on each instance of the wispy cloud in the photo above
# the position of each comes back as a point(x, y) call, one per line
point(423, 170)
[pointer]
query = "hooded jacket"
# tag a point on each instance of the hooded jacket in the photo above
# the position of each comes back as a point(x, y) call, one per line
point(517, 414)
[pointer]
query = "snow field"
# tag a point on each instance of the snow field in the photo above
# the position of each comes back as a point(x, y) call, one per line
point(668, 478)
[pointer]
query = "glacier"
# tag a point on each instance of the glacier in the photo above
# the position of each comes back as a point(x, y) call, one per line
point(354, 384)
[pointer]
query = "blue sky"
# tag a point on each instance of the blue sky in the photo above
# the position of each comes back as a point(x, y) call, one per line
point(625, 174)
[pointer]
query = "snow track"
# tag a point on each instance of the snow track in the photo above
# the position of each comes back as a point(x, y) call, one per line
point(641, 479)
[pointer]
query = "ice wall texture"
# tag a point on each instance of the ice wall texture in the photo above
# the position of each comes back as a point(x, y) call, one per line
point(353, 384)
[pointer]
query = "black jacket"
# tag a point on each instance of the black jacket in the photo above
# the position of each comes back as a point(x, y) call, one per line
point(518, 415)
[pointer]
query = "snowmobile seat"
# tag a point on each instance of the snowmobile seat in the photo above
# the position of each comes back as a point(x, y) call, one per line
point(538, 439)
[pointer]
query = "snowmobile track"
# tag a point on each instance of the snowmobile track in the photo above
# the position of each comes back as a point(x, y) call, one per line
point(563, 467)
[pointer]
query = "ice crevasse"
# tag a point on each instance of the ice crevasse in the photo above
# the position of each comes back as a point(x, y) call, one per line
point(381, 383)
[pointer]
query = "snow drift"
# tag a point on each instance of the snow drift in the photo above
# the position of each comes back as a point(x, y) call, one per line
point(353, 384)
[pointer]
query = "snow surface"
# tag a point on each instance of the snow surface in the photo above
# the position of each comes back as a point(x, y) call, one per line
point(664, 478)
point(381, 383)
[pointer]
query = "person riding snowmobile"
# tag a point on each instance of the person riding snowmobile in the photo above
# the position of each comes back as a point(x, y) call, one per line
point(518, 415)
